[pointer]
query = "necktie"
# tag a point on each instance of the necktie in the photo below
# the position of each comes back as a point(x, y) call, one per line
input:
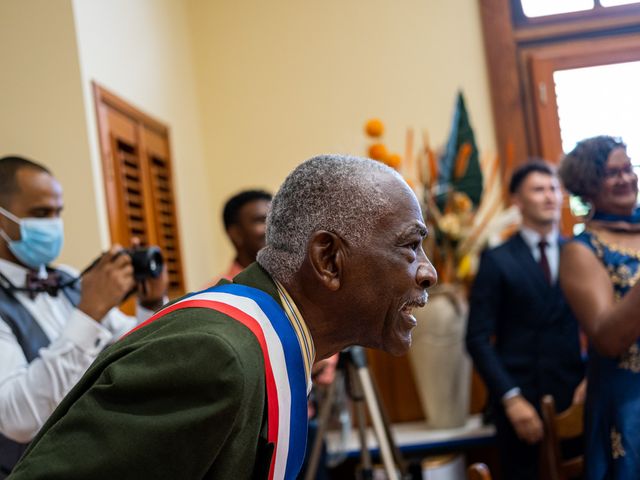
point(34, 284)
point(544, 262)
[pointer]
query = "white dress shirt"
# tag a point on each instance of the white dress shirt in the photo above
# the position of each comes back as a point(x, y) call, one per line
point(29, 392)
point(533, 238)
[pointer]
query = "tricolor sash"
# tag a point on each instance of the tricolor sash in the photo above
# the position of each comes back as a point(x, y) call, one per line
point(285, 377)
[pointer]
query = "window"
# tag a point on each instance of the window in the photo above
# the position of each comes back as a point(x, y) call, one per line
point(538, 69)
point(565, 10)
point(541, 8)
point(614, 3)
point(599, 100)
point(136, 163)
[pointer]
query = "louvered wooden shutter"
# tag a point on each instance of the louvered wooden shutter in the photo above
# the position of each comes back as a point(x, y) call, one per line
point(138, 181)
point(163, 205)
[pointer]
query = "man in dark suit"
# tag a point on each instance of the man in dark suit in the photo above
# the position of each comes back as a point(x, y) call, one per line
point(522, 336)
point(215, 385)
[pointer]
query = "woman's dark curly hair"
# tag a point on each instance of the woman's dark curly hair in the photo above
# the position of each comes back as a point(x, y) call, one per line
point(582, 170)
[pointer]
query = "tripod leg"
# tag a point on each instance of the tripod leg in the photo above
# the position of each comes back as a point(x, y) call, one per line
point(323, 420)
point(378, 424)
point(397, 454)
point(358, 403)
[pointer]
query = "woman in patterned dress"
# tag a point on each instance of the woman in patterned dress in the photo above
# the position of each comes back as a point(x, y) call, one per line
point(599, 270)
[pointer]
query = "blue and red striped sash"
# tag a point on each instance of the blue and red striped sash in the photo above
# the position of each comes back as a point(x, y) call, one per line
point(284, 366)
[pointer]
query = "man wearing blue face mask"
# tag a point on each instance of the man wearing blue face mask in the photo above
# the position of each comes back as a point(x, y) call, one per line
point(52, 327)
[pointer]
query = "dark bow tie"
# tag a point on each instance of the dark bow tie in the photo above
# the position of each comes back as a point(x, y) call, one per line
point(34, 284)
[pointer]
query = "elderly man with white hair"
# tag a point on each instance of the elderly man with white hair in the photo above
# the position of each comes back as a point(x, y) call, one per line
point(214, 385)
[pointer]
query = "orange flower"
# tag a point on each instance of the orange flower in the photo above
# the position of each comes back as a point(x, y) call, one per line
point(450, 225)
point(393, 160)
point(461, 202)
point(378, 151)
point(374, 127)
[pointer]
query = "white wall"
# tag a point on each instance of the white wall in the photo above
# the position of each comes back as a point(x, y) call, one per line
point(141, 51)
point(283, 80)
point(42, 113)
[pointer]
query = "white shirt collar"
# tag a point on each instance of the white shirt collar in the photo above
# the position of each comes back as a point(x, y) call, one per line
point(16, 274)
point(532, 238)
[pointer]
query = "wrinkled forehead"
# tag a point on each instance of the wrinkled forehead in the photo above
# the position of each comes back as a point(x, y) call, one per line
point(397, 189)
point(403, 203)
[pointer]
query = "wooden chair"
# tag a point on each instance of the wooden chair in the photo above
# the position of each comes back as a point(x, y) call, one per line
point(559, 427)
point(478, 471)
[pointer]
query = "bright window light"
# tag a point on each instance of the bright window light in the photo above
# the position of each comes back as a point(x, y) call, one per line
point(613, 3)
point(602, 100)
point(540, 8)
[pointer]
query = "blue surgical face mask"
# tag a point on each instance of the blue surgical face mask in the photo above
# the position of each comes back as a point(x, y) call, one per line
point(40, 239)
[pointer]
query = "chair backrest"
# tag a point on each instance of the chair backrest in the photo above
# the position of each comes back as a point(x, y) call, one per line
point(559, 427)
point(478, 471)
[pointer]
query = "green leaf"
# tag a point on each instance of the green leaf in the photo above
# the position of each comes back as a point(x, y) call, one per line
point(470, 182)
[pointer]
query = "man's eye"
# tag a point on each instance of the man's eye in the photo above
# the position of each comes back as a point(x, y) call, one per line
point(414, 245)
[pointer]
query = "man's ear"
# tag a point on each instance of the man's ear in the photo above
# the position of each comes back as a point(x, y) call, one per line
point(327, 256)
point(515, 200)
point(235, 235)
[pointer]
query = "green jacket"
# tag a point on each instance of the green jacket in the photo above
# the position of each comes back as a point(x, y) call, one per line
point(181, 398)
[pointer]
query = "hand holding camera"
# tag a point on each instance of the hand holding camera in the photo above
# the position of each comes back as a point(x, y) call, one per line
point(151, 276)
point(113, 276)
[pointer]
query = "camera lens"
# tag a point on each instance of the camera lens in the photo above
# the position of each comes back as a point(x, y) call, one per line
point(147, 262)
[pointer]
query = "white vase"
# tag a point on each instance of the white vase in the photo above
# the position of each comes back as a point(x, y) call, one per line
point(441, 366)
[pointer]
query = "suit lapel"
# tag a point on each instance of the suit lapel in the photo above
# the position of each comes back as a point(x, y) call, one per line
point(522, 257)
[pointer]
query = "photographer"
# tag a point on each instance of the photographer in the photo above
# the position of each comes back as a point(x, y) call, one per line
point(52, 324)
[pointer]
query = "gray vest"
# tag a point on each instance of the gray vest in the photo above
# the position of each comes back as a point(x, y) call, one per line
point(31, 339)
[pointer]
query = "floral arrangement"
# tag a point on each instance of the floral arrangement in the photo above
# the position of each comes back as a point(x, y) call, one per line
point(463, 194)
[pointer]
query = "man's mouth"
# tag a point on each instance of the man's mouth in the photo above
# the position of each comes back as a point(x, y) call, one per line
point(407, 308)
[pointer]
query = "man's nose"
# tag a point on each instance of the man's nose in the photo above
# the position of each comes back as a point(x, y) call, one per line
point(426, 275)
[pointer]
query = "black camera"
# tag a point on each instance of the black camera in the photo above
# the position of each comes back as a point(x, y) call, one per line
point(147, 262)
